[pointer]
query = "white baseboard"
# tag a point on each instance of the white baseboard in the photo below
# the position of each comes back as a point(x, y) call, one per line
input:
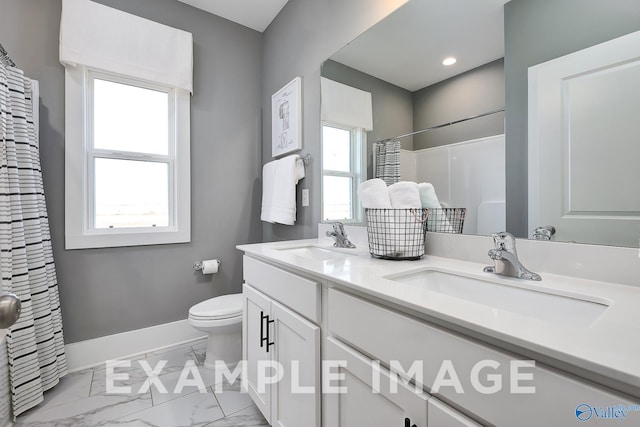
point(89, 353)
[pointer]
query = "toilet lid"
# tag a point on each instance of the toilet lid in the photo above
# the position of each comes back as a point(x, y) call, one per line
point(222, 307)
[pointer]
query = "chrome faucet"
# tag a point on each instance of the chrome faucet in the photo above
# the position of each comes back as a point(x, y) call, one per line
point(505, 258)
point(340, 236)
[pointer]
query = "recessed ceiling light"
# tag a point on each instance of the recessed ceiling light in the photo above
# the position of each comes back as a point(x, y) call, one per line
point(449, 61)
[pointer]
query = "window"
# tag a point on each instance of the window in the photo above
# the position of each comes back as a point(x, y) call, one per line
point(127, 154)
point(342, 168)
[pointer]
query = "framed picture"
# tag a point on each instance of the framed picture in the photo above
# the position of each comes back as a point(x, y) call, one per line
point(286, 118)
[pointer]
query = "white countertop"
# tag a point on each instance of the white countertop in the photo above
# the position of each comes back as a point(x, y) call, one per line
point(609, 347)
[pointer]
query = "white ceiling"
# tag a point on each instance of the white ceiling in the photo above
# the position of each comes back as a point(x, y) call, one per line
point(256, 14)
point(407, 47)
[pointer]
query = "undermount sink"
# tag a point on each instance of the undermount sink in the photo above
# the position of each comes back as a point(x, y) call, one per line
point(539, 304)
point(317, 252)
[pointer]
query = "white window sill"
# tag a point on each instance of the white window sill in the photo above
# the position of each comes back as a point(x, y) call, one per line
point(126, 238)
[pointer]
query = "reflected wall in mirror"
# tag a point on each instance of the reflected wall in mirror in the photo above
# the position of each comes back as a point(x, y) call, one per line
point(399, 61)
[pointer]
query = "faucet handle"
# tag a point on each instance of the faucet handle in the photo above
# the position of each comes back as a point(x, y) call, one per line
point(544, 233)
point(338, 227)
point(504, 241)
point(340, 236)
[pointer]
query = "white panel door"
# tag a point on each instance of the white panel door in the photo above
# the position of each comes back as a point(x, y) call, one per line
point(358, 405)
point(295, 398)
point(255, 328)
point(584, 144)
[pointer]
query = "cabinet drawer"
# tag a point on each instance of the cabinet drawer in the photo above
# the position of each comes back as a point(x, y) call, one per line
point(440, 415)
point(367, 398)
point(300, 294)
point(387, 335)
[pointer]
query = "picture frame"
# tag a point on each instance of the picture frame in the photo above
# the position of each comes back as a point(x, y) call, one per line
point(286, 118)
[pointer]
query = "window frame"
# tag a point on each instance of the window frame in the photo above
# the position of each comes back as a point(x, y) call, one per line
point(80, 155)
point(357, 169)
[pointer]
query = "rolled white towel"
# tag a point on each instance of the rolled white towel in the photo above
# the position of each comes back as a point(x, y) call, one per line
point(428, 197)
point(404, 195)
point(373, 194)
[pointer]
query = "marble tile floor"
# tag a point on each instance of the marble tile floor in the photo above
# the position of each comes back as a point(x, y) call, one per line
point(81, 398)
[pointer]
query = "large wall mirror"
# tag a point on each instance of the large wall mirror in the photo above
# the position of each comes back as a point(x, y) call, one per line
point(398, 63)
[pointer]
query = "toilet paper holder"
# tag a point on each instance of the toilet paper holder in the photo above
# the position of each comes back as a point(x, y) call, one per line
point(197, 266)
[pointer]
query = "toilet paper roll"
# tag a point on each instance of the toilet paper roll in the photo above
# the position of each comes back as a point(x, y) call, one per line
point(210, 266)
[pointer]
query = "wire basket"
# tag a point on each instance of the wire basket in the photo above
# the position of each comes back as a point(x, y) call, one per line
point(446, 220)
point(396, 234)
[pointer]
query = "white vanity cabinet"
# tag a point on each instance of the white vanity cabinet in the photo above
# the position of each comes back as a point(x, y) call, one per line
point(255, 307)
point(388, 335)
point(366, 340)
point(276, 337)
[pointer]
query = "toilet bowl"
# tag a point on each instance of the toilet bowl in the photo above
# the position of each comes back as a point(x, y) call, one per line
point(221, 319)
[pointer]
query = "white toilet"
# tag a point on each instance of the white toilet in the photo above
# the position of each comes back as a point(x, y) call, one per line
point(221, 319)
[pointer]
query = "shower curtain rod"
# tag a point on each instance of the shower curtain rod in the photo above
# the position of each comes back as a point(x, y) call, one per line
point(5, 58)
point(441, 126)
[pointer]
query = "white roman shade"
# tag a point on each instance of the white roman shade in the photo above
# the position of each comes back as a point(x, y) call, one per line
point(346, 105)
point(108, 39)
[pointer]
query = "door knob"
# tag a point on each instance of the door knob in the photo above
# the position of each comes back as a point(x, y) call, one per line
point(10, 307)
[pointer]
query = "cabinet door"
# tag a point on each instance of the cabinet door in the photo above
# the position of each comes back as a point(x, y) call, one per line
point(296, 398)
point(358, 405)
point(255, 328)
point(441, 415)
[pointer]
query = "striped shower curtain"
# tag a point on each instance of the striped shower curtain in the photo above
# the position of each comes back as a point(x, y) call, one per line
point(34, 343)
point(388, 161)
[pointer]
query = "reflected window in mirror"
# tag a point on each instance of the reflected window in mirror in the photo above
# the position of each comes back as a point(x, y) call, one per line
point(343, 149)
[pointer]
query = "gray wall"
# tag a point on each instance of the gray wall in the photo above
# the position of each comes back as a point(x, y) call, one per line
point(537, 31)
point(474, 92)
point(397, 111)
point(105, 291)
point(298, 41)
point(392, 105)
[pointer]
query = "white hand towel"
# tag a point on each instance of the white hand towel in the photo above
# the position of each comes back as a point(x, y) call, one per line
point(428, 197)
point(268, 191)
point(405, 195)
point(373, 194)
point(279, 179)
